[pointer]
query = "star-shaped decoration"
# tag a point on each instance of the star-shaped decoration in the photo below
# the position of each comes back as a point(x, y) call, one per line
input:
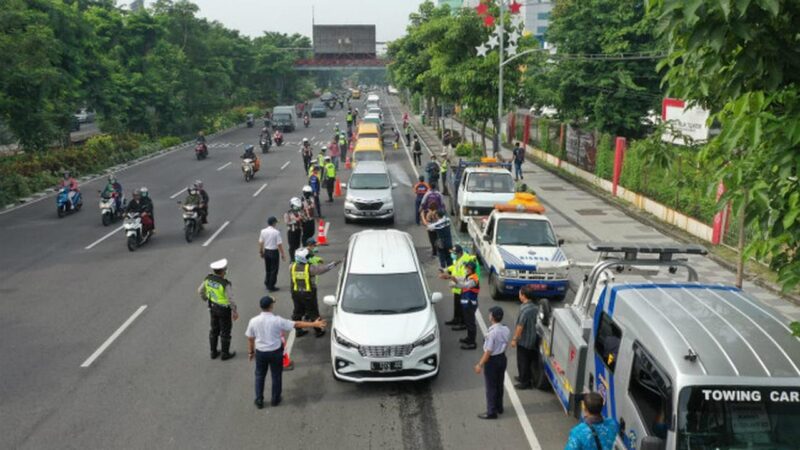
point(517, 20)
point(514, 36)
point(493, 41)
point(488, 20)
point(511, 50)
point(482, 49)
point(482, 9)
point(515, 7)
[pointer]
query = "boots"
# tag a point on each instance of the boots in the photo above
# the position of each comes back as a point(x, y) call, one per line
point(212, 340)
point(226, 353)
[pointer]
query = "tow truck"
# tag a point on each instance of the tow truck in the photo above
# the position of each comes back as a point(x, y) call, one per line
point(475, 187)
point(519, 247)
point(681, 365)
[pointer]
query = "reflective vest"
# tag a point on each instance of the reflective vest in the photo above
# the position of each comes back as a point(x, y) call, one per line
point(342, 141)
point(421, 188)
point(215, 290)
point(301, 279)
point(443, 168)
point(349, 117)
point(470, 295)
point(330, 171)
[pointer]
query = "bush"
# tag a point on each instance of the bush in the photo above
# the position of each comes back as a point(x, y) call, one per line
point(469, 151)
point(604, 165)
point(169, 141)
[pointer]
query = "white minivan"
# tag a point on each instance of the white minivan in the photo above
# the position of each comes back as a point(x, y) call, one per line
point(369, 192)
point(384, 325)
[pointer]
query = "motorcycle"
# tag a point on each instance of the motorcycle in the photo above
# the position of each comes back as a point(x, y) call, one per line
point(191, 222)
point(278, 138)
point(248, 169)
point(201, 151)
point(64, 205)
point(134, 233)
point(250, 121)
point(306, 121)
point(265, 143)
point(108, 208)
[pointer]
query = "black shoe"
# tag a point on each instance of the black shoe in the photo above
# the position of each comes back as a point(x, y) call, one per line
point(464, 340)
point(276, 402)
point(320, 333)
point(300, 332)
point(460, 327)
point(452, 322)
point(522, 387)
point(214, 354)
point(227, 356)
point(290, 366)
point(259, 403)
point(500, 410)
point(516, 378)
point(487, 416)
point(469, 346)
point(274, 289)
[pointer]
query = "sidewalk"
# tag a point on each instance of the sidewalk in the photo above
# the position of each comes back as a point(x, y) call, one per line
point(580, 217)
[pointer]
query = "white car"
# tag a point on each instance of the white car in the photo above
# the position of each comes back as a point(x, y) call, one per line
point(369, 193)
point(384, 325)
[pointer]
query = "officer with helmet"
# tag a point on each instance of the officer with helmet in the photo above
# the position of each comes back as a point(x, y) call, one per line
point(308, 153)
point(304, 288)
point(216, 290)
point(294, 222)
point(329, 177)
point(307, 224)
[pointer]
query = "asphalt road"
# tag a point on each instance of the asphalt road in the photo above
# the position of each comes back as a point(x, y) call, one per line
point(66, 291)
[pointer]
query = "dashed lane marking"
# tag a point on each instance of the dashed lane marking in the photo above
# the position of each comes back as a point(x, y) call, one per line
point(211, 239)
point(177, 193)
point(113, 337)
point(263, 186)
point(285, 164)
point(223, 166)
point(89, 247)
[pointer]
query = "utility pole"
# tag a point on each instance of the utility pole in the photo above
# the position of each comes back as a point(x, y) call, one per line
point(501, 32)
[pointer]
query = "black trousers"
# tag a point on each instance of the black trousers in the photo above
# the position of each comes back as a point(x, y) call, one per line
point(319, 206)
point(308, 231)
point(293, 235)
point(525, 358)
point(417, 158)
point(221, 323)
point(306, 162)
point(468, 310)
point(493, 375)
point(266, 361)
point(432, 237)
point(329, 187)
point(271, 262)
point(458, 313)
point(306, 306)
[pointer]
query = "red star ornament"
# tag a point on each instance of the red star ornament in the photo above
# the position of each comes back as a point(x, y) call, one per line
point(515, 7)
point(482, 9)
point(488, 21)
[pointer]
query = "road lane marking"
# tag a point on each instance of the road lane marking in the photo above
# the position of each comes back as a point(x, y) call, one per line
point(285, 164)
point(263, 186)
point(405, 147)
point(223, 166)
point(178, 193)
point(116, 230)
point(321, 130)
point(533, 441)
point(211, 239)
point(113, 337)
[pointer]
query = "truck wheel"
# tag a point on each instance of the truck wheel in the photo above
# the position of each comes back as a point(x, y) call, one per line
point(496, 293)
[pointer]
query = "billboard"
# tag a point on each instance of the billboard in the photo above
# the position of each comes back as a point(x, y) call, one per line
point(691, 122)
point(348, 40)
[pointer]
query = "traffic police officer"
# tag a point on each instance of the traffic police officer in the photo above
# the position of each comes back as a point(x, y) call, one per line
point(216, 291)
point(470, 286)
point(304, 288)
point(329, 175)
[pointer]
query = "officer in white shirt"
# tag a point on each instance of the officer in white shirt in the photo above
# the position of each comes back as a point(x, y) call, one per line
point(264, 343)
point(270, 245)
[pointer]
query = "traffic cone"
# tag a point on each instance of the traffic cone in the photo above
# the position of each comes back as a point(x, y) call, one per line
point(321, 238)
point(337, 192)
point(287, 361)
point(347, 163)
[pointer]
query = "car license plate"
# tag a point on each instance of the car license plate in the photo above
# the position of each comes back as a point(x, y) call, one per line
point(387, 366)
point(538, 287)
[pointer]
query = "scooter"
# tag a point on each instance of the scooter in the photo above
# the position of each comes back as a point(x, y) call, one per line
point(201, 151)
point(191, 222)
point(306, 121)
point(134, 233)
point(265, 143)
point(108, 209)
point(278, 138)
point(64, 205)
point(248, 169)
point(250, 121)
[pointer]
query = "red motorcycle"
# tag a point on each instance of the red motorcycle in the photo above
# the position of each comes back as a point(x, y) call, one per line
point(201, 151)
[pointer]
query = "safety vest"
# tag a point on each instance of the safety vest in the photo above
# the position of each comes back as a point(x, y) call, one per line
point(330, 171)
point(301, 275)
point(470, 295)
point(215, 290)
point(342, 141)
point(349, 117)
point(443, 167)
point(421, 188)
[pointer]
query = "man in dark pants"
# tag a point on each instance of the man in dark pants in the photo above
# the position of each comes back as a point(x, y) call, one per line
point(416, 151)
point(264, 333)
point(470, 289)
point(216, 291)
point(420, 189)
point(493, 363)
point(525, 338)
point(304, 288)
point(293, 219)
point(270, 246)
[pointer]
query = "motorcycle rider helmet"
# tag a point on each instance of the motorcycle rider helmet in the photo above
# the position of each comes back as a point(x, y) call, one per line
point(249, 148)
point(66, 174)
point(112, 179)
point(143, 190)
point(198, 184)
point(295, 203)
point(327, 158)
point(305, 140)
point(191, 190)
point(301, 255)
point(137, 193)
point(307, 191)
point(264, 130)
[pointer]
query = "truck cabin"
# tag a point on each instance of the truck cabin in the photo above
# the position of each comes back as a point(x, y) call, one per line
point(489, 182)
point(520, 231)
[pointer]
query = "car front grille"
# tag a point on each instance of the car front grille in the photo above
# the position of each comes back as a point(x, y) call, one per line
point(385, 351)
point(529, 275)
point(363, 206)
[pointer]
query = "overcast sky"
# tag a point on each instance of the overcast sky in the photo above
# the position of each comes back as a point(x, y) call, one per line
point(253, 17)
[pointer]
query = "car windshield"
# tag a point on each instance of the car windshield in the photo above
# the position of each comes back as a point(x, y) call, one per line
point(490, 182)
point(368, 156)
point(534, 233)
point(282, 116)
point(318, 106)
point(740, 417)
point(395, 293)
point(369, 181)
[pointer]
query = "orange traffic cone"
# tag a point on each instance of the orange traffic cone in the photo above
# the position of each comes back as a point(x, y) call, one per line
point(337, 192)
point(287, 361)
point(321, 238)
point(347, 163)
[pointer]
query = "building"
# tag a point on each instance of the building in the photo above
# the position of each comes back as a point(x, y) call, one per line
point(454, 4)
point(537, 17)
point(136, 5)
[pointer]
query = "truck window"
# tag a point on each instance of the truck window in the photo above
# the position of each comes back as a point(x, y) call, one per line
point(535, 233)
point(490, 229)
point(490, 182)
point(651, 392)
point(606, 342)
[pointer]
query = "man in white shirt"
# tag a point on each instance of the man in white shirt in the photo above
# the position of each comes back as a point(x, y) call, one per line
point(270, 245)
point(264, 343)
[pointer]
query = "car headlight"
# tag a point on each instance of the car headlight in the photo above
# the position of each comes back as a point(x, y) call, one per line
point(509, 273)
point(343, 341)
point(425, 340)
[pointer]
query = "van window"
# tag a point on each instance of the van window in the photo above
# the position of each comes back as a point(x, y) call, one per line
point(369, 181)
point(368, 156)
point(651, 392)
point(606, 342)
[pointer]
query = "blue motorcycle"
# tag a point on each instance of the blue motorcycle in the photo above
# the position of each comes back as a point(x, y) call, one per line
point(64, 205)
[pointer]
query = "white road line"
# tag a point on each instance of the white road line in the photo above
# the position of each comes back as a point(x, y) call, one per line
point(113, 337)
point(178, 193)
point(263, 186)
point(223, 166)
point(405, 147)
point(89, 247)
point(321, 130)
point(285, 164)
point(216, 233)
point(533, 441)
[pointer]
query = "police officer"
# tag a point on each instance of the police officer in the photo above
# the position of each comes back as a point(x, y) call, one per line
point(307, 222)
point(293, 219)
point(456, 269)
point(493, 363)
point(304, 288)
point(329, 177)
point(443, 172)
point(315, 183)
point(470, 289)
point(216, 291)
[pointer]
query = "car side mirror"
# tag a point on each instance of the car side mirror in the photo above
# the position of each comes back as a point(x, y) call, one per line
point(652, 443)
point(560, 242)
point(329, 300)
point(436, 297)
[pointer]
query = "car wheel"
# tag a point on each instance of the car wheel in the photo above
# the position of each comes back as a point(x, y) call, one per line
point(347, 220)
point(494, 291)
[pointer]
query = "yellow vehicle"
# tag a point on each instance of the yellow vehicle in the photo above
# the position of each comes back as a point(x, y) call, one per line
point(367, 149)
point(355, 94)
point(369, 131)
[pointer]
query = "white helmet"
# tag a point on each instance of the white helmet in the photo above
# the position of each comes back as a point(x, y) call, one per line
point(295, 203)
point(307, 188)
point(301, 255)
point(305, 139)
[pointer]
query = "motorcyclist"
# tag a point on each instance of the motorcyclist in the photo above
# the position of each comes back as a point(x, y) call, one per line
point(113, 189)
point(265, 136)
point(307, 152)
point(249, 153)
point(143, 205)
point(194, 199)
point(278, 137)
point(70, 183)
point(198, 184)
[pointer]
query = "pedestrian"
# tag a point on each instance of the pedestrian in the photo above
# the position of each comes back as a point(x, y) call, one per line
point(470, 290)
point(432, 200)
point(307, 153)
point(459, 258)
point(270, 247)
point(443, 172)
point(433, 169)
point(264, 343)
point(316, 185)
point(396, 138)
point(216, 291)
point(407, 130)
point(519, 158)
point(307, 222)
point(594, 432)
point(420, 189)
point(293, 220)
point(446, 138)
point(304, 288)
point(440, 223)
point(493, 363)
point(417, 151)
point(334, 152)
point(428, 216)
point(525, 339)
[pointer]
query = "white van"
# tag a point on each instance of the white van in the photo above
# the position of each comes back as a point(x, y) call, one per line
point(384, 325)
point(373, 101)
point(369, 193)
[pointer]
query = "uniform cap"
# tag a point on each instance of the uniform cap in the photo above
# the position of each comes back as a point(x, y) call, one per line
point(311, 241)
point(219, 265)
point(266, 301)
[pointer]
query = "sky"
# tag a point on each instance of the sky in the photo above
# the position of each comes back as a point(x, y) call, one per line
point(253, 17)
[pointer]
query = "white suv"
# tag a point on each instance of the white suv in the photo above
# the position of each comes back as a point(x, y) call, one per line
point(384, 325)
point(369, 193)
